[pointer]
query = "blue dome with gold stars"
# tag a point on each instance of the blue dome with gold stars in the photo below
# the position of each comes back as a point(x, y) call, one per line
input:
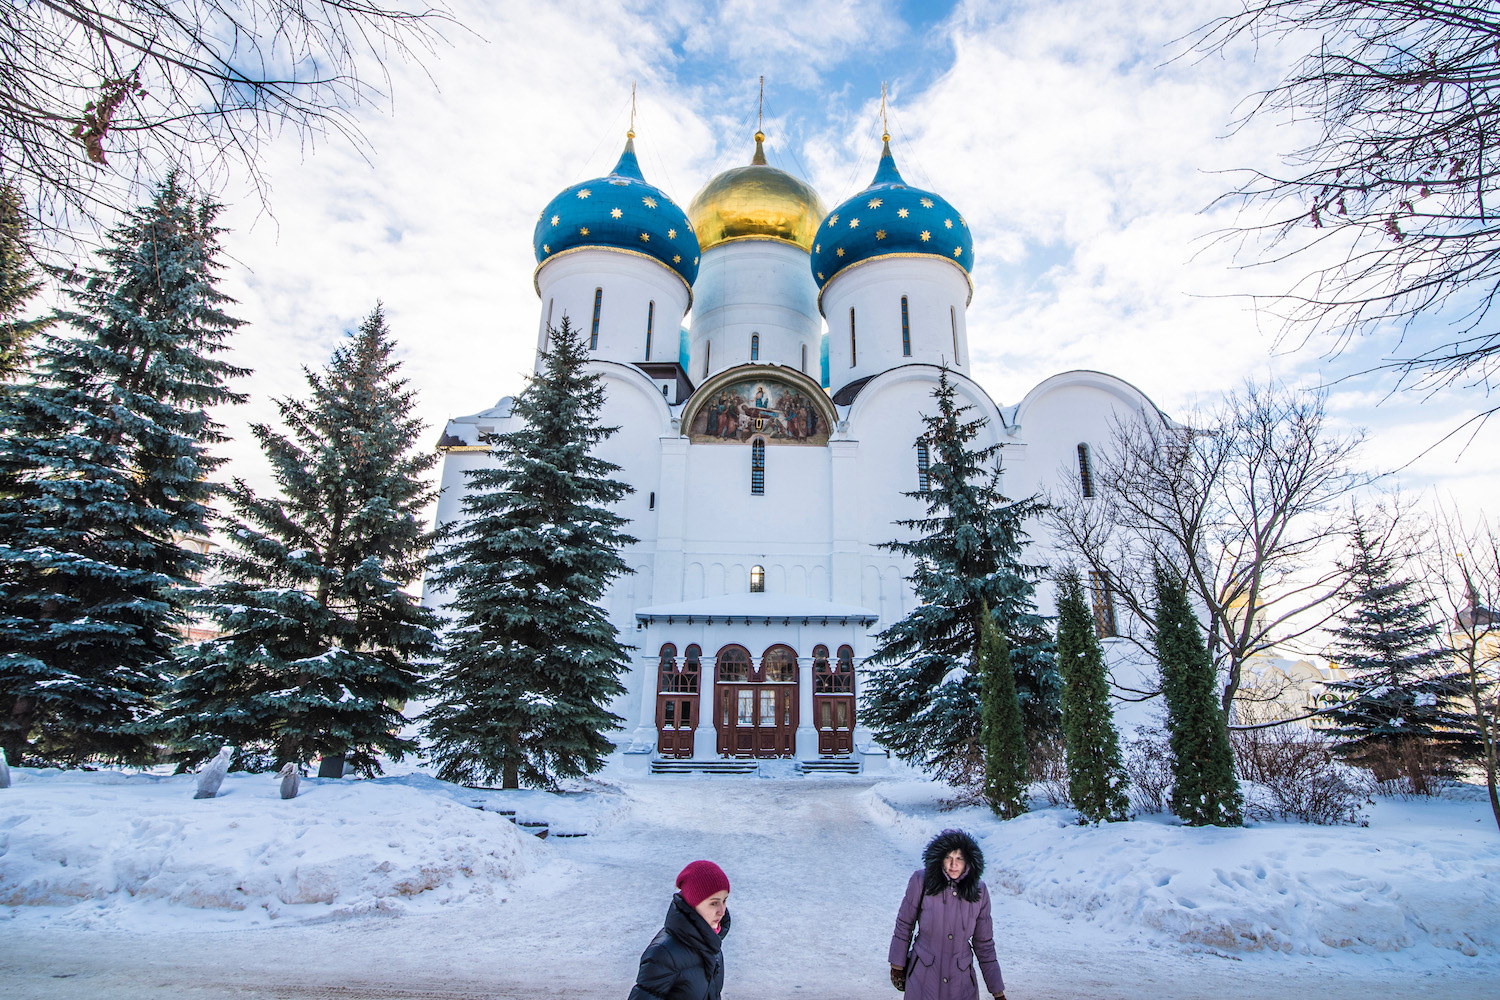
point(618, 212)
point(890, 219)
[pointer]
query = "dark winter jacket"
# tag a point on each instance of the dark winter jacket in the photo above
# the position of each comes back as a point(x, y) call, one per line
point(953, 927)
point(683, 961)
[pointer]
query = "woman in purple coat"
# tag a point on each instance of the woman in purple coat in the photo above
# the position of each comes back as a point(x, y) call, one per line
point(949, 908)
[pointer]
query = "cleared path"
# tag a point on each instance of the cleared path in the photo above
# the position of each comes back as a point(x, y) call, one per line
point(816, 883)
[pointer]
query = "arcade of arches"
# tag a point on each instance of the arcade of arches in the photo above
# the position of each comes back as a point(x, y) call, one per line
point(754, 701)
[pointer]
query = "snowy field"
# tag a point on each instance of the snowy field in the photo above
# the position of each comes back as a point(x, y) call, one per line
point(124, 885)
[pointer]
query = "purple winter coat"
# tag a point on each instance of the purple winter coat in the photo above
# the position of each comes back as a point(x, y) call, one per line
point(951, 933)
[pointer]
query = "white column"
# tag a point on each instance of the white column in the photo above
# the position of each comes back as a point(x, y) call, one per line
point(807, 732)
point(645, 730)
point(845, 527)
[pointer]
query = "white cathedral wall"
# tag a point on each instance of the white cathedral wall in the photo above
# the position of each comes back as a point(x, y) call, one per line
point(754, 287)
point(629, 284)
point(937, 295)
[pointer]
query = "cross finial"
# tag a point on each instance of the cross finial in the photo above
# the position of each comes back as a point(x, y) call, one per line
point(631, 133)
point(760, 112)
point(885, 125)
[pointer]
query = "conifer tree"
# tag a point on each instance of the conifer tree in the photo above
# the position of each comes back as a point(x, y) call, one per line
point(321, 647)
point(531, 661)
point(925, 706)
point(1204, 789)
point(1096, 771)
point(1399, 715)
point(1005, 770)
point(104, 453)
point(18, 285)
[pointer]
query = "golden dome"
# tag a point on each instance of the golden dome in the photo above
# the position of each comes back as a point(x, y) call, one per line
point(756, 202)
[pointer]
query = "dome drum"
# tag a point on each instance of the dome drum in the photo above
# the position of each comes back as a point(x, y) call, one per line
point(895, 311)
point(634, 299)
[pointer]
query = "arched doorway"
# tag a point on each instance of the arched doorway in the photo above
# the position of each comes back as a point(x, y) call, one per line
point(677, 700)
point(756, 706)
point(833, 701)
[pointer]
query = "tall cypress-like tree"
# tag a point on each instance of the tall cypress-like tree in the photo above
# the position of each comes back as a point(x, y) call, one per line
point(531, 661)
point(1096, 770)
point(18, 285)
point(1205, 791)
point(104, 453)
point(321, 647)
point(925, 704)
point(1005, 770)
point(1399, 716)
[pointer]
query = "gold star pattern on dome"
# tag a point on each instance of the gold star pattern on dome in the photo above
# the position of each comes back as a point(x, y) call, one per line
point(926, 202)
point(880, 234)
point(926, 235)
point(677, 258)
point(615, 213)
point(840, 251)
point(648, 201)
point(958, 251)
point(833, 220)
point(584, 192)
point(546, 248)
point(556, 219)
point(947, 223)
point(671, 234)
point(583, 230)
point(645, 237)
point(853, 223)
point(903, 212)
point(961, 222)
point(818, 248)
point(695, 261)
point(820, 275)
point(875, 203)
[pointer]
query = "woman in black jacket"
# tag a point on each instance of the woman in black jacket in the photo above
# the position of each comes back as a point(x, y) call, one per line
point(683, 961)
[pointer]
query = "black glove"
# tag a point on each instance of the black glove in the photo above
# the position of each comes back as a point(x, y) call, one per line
point(898, 978)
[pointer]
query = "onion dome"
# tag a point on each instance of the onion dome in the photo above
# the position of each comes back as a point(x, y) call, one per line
point(619, 212)
point(757, 202)
point(890, 219)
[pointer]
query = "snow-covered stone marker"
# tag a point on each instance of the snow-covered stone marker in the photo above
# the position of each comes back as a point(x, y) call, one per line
point(290, 780)
point(212, 775)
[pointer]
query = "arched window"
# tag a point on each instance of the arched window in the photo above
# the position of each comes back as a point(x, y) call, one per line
point(758, 467)
point(1085, 473)
point(734, 664)
point(692, 659)
point(757, 579)
point(778, 665)
point(953, 319)
point(832, 679)
point(804, 359)
point(594, 329)
point(675, 677)
point(846, 661)
point(853, 348)
point(708, 349)
point(650, 322)
point(755, 347)
point(923, 483)
point(905, 329)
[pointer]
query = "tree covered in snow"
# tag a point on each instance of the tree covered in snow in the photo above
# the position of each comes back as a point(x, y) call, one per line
point(18, 285)
point(1399, 714)
point(1205, 791)
point(104, 455)
point(321, 647)
point(1096, 769)
point(967, 550)
point(530, 661)
point(1004, 737)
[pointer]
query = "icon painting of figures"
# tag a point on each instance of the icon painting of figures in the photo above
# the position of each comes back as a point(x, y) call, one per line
point(759, 407)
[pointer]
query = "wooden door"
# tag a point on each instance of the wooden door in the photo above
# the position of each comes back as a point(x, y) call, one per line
point(833, 701)
point(676, 701)
point(757, 720)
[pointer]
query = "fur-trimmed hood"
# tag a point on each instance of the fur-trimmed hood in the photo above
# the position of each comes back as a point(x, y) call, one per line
point(934, 880)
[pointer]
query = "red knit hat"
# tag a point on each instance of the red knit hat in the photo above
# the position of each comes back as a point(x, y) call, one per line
point(701, 879)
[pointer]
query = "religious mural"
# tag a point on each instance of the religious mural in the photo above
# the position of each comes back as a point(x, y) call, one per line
point(764, 407)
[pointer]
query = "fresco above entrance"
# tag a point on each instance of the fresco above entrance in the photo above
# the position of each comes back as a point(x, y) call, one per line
point(760, 407)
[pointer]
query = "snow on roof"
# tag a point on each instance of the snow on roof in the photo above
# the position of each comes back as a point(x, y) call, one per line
point(757, 606)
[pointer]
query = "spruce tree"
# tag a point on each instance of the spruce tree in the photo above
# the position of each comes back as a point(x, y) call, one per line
point(925, 704)
point(1204, 789)
point(104, 453)
point(1005, 770)
point(530, 660)
point(1399, 715)
point(1096, 771)
point(321, 646)
point(18, 285)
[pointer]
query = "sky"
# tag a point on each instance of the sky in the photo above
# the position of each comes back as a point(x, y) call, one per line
point(1084, 144)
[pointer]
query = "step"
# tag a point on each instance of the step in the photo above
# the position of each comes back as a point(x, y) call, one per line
point(679, 766)
point(829, 766)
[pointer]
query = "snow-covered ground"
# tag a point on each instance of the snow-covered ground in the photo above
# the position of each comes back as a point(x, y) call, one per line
point(124, 885)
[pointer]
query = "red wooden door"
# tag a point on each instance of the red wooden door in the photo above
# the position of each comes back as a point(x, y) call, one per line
point(756, 705)
point(677, 701)
point(833, 701)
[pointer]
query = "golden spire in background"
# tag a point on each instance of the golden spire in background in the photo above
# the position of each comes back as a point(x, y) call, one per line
point(630, 134)
point(885, 125)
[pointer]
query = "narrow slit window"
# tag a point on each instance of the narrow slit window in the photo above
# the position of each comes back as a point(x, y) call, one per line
point(758, 468)
point(804, 359)
point(853, 346)
point(652, 505)
point(953, 321)
point(547, 326)
point(755, 347)
point(923, 483)
point(905, 329)
point(708, 350)
point(1104, 604)
point(757, 579)
point(650, 322)
point(1085, 472)
point(594, 329)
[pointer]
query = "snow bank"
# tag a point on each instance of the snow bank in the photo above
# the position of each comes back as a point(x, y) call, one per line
point(339, 849)
point(1422, 873)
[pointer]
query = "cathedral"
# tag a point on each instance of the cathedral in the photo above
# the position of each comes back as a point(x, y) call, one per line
point(773, 440)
